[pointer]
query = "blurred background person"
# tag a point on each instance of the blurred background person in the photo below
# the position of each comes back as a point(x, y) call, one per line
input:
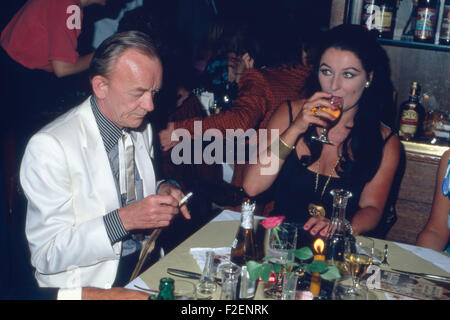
point(436, 233)
point(38, 53)
point(270, 73)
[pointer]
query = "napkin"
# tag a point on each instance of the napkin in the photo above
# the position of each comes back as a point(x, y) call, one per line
point(228, 215)
point(199, 255)
point(138, 282)
point(430, 255)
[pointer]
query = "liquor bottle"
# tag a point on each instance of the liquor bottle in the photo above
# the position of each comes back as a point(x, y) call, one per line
point(426, 21)
point(243, 250)
point(410, 27)
point(166, 290)
point(444, 35)
point(412, 114)
point(339, 229)
point(379, 15)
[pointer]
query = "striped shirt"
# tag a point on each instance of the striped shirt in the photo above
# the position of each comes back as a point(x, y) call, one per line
point(110, 134)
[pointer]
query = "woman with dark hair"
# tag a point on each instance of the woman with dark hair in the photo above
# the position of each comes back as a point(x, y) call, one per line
point(365, 152)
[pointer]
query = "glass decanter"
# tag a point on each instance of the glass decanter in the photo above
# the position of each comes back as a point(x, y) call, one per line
point(339, 229)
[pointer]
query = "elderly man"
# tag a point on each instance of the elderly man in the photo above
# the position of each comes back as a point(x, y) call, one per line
point(88, 175)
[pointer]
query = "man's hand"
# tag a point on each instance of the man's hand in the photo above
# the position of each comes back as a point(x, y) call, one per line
point(170, 190)
point(112, 294)
point(165, 137)
point(154, 211)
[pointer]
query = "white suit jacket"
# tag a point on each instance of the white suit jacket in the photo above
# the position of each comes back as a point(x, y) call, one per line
point(67, 179)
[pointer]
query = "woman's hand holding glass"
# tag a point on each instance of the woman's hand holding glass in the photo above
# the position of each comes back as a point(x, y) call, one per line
point(312, 112)
point(338, 103)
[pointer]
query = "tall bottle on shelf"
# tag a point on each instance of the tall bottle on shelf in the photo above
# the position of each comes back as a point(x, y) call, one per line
point(412, 114)
point(243, 250)
point(410, 27)
point(444, 35)
point(427, 14)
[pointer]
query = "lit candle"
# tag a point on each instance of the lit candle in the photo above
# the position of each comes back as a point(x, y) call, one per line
point(314, 287)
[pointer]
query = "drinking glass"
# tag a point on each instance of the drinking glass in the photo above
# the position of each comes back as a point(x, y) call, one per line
point(185, 290)
point(207, 284)
point(339, 103)
point(358, 257)
point(230, 276)
point(289, 289)
point(280, 243)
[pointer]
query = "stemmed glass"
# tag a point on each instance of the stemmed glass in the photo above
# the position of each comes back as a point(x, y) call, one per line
point(339, 103)
point(358, 257)
point(281, 242)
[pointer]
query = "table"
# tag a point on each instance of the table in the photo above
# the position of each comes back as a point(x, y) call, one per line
point(217, 234)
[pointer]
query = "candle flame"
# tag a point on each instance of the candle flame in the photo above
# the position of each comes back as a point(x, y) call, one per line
point(319, 245)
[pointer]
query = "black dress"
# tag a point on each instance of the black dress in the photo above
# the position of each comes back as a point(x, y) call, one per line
point(294, 191)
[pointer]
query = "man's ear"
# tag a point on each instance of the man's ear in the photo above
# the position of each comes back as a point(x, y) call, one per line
point(100, 86)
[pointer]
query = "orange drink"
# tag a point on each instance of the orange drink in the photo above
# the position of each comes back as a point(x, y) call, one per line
point(338, 101)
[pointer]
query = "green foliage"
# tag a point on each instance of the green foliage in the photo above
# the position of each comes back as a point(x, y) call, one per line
point(264, 269)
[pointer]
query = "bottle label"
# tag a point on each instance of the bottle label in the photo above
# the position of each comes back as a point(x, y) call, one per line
point(445, 26)
point(409, 122)
point(377, 17)
point(234, 244)
point(247, 220)
point(425, 22)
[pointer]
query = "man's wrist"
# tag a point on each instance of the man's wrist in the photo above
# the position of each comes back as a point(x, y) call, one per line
point(172, 182)
point(114, 227)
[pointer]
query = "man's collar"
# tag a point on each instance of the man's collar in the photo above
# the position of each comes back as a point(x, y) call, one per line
point(108, 130)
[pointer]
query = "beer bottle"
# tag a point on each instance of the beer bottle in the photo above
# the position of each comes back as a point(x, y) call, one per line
point(411, 114)
point(444, 35)
point(426, 21)
point(166, 290)
point(243, 250)
point(379, 15)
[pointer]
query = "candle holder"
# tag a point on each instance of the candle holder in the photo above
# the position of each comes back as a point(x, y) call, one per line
point(319, 248)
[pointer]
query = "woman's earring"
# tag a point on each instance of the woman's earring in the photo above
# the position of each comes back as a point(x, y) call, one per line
point(367, 84)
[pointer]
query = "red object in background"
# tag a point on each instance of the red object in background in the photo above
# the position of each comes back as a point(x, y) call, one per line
point(39, 33)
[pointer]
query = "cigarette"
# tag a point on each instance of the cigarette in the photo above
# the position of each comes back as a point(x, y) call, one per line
point(185, 199)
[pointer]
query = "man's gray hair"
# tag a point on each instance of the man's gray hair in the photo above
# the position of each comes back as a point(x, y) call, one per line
point(111, 49)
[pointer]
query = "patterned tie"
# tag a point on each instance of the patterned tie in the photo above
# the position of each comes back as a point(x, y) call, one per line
point(126, 166)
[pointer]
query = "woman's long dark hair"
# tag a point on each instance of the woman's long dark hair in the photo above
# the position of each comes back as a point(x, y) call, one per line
point(365, 139)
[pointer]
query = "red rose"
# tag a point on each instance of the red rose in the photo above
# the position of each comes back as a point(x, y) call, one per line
point(272, 222)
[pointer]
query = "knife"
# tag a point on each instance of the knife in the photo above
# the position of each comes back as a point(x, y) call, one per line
point(424, 275)
point(184, 273)
point(188, 274)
